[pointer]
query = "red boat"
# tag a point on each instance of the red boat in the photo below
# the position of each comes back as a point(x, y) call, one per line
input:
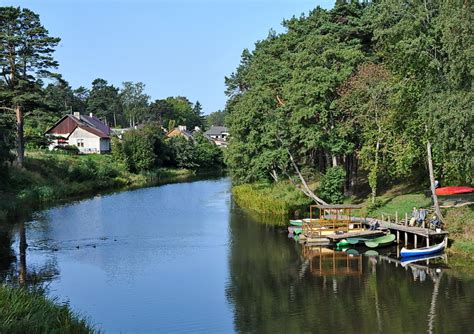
point(454, 190)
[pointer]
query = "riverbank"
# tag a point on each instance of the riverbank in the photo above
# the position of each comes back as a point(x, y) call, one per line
point(51, 177)
point(271, 203)
point(23, 311)
point(281, 200)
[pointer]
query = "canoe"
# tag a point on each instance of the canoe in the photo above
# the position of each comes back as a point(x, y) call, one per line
point(424, 250)
point(353, 241)
point(407, 260)
point(342, 243)
point(296, 222)
point(454, 190)
point(381, 241)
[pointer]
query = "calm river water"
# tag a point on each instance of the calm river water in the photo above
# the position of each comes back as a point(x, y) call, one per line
point(183, 258)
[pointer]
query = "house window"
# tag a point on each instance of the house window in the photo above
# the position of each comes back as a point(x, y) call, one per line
point(80, 143)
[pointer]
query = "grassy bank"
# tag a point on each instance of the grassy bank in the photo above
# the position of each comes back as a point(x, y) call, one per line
point(272, 203)
point(22, 311)
point(51, 177)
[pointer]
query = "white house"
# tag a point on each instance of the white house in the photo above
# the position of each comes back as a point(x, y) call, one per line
point(88, 133)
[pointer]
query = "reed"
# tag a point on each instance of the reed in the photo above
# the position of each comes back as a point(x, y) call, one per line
point(270, 200)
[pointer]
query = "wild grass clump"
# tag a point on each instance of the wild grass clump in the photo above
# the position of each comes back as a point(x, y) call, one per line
point(279, 199)
point(24, 311)
point(460, 224)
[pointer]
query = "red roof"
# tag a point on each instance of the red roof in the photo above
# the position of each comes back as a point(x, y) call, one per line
point(69, 123)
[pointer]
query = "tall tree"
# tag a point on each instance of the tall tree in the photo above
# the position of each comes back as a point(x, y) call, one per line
point(103, 101)
point(25, 56)
point(134, 101)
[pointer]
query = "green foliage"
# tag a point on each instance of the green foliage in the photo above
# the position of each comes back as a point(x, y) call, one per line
point(332, 185)
point(23, 311)
point(103, 101)
point(68, 149)
point(278, 199)
point(183, 153)
point(138, 150)
point(216, 118)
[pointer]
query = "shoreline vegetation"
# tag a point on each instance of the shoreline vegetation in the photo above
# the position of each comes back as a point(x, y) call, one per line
point(276, 203)
point(50, 178)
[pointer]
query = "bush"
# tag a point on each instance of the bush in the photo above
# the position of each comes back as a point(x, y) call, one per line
point(332, 185)
point(68, 149)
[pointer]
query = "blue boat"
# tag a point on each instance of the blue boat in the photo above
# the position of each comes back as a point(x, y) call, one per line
point(424, 250)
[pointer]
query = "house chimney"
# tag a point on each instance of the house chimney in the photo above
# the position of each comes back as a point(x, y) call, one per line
point(182, 127)
point(77, 114)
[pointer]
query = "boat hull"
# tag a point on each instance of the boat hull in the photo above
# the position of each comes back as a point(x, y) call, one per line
point(454, 190)
point(423, 251)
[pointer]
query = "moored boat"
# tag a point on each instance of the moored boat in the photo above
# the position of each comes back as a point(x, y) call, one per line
point(380, 241)
point(424, 250)
point(454, 190)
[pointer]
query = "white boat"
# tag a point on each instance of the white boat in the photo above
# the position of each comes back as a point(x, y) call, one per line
point(424, 250)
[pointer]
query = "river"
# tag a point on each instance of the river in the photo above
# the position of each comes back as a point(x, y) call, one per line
point(183, 258)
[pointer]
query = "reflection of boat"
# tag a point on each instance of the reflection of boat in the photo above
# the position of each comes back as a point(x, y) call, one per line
point(454, 190)
point(406, 261)
point(352, 251)
point(424, 250)
point(371, 252)
point(381, 241)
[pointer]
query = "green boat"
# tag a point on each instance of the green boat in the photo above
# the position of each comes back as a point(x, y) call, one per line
point(342, 243)
point(381, 241)
point(297, 231)
point(296, 222)
point(352, 241)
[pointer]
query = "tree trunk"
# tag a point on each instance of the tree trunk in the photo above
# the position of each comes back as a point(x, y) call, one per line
point(115, 120)
point(432, 181)
point(20, 141)
point(334, 160)
point(375, 171)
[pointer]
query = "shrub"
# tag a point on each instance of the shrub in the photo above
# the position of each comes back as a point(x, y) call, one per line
point(68, 149)
point(332, 185)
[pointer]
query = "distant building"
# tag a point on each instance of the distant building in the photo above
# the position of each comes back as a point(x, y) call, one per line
point(218, 134)
point(88, 133)
point(180, 131)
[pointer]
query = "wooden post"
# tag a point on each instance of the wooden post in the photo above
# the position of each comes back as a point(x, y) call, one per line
point(406, 239)
point(382, 217)
point(427, 241)
point(416, 241)
point(396, 217)
point(398, 237)
point(406, 219)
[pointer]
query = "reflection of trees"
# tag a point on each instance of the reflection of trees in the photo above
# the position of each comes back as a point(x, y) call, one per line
point(18, 272)
point(269, 294)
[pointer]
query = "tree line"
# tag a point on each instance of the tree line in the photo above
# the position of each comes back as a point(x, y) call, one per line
point(371, 89)
point(33, 96)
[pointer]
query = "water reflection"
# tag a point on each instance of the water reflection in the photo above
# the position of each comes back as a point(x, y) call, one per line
point(183, 258)
point(279, 286)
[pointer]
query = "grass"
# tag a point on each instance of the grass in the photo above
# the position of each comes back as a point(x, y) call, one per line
point(24, 311)
point(50, 177)
point(272, 202)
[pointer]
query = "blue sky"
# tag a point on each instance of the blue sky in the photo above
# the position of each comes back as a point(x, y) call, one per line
point(180, 47)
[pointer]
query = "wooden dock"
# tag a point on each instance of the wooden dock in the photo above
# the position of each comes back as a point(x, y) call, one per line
point(406, 231)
